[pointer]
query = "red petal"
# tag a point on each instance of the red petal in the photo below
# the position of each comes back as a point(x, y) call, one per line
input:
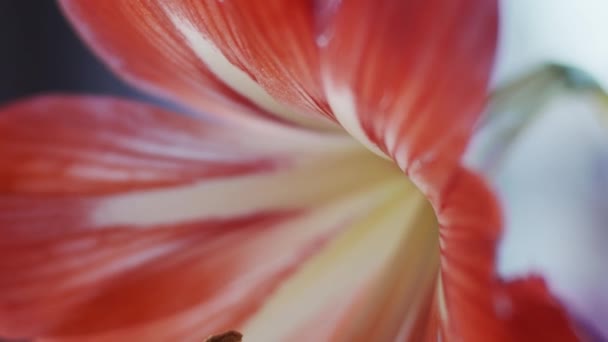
point(127, 220)
point(409, 77)
point(93, 145)
point(209, 52)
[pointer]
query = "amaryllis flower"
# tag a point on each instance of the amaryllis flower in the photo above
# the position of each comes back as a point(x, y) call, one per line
point(315, 192)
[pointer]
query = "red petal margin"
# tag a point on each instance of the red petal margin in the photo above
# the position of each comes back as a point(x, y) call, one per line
point(474, 304)
point(414, 76)
point(272, 43)
point(66, 271)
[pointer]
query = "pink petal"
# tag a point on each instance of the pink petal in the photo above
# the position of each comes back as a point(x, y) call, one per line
point(120, 220)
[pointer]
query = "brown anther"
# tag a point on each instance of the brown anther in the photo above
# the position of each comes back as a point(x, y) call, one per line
point(229, 336)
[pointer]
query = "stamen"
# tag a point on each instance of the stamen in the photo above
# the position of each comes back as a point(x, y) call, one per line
point(229, 336)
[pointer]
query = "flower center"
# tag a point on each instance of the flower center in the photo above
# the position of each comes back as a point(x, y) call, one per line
point(383, 265)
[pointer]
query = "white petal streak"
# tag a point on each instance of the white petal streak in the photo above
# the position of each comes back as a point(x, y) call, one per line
point(307, 183)
point(342, 102)
point(234, 77)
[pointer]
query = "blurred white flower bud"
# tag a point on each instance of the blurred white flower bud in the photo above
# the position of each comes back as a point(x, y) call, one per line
point(544, 148)
point(568, 32)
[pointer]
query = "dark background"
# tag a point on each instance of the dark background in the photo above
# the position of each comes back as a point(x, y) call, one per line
point(39, 53)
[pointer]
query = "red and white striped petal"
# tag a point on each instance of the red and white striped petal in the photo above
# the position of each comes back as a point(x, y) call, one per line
point(211, 53)
point(224, 278)
point(166, 233)
point(271, 44)
point(409, 78)
point(565, 32)
point(94, 145)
